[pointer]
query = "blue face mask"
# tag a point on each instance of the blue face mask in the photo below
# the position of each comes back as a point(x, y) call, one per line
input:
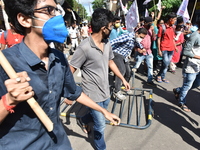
point(54, 29)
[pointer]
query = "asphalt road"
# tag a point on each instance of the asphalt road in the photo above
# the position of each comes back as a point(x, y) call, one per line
point(170, 129)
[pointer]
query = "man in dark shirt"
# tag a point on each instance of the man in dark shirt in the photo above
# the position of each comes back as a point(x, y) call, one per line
point(50, 76)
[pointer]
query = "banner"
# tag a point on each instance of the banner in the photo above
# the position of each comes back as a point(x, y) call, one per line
point(90, 9)
point(159, 5)
point(132, 17)
point(146, 13)
point(146, 2)
point(124, 8)
point(182, 11)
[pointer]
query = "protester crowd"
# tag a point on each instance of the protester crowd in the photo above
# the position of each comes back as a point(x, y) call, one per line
point(103, 45)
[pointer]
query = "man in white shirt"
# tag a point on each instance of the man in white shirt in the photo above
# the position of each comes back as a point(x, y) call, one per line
point(73, 33)
point(84, 31)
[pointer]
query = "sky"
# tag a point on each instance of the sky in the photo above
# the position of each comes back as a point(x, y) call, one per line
point(87, 4)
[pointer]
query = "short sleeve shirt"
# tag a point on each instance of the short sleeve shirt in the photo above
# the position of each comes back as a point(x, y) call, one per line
point(22, 129)
point(11, 39)
point(73, 32)
point(94, 68)
point(167, 39)
point(84, 31)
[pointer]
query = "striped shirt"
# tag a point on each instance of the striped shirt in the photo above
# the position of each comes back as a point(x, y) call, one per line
point(124, 44)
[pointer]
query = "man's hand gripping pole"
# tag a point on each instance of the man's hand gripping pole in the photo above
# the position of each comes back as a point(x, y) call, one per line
point(32, 102)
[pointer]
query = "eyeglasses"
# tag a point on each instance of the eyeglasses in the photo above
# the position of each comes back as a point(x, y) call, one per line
point(49, 10)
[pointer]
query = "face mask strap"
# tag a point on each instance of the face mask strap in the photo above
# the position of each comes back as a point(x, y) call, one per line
point(36, 18)
point(33, 17)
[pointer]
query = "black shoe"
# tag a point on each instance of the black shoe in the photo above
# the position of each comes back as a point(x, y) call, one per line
point(151, 84)
point(82, 125)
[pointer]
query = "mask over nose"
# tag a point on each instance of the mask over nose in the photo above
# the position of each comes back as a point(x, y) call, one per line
point(54, 29)
point(117, 25)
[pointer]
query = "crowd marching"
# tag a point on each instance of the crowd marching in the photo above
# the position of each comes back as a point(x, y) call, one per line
point(96, 48)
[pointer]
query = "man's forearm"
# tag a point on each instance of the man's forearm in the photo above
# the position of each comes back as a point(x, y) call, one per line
point(3, 111)
point(158, 41)
point(85, 100)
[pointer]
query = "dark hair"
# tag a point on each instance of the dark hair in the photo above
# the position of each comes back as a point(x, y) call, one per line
point(198, 24)
point(73, 23)
point(148, 19)
point(14, 7)
point(158, 22)
point(170, 15)
point(142, 31)
point(179, 20)
point(179, 26)
point(100, 17)
point(142, 18)
point(116, 18)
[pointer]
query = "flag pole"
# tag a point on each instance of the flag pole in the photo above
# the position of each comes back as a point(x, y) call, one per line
point(193, 10)
point(154, 4)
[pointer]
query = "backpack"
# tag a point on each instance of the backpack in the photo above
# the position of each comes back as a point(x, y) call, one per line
point(5, 34)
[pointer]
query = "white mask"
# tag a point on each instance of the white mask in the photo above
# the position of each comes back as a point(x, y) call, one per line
point(138, 39)
point(178, 32)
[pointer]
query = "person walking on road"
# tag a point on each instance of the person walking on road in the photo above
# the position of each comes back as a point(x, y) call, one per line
point(146, 53)
point(46, 71)
point(94, 57)
point(166, 45)
point(191, 69)
point(122, 47)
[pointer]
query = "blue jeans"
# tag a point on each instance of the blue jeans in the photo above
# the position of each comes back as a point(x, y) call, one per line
point(167, 56)
point(149, 62)
point(99, 124)
point(190, 81)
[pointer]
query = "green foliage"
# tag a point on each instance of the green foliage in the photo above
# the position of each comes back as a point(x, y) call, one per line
point(171, 6)
point(70, 2)
point(81, 11)
point(98, 4)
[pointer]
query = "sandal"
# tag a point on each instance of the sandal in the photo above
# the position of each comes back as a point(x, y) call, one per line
point(159, 79)
point(184, 107)
point(165, 81)
point(176, 94)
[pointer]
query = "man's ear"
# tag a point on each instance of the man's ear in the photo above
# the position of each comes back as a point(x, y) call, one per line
point(24, 20)
point(103, 28)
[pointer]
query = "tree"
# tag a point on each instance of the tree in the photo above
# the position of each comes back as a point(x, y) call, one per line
point(98, 4)
point(70, 2)
point(171, 6)
point(81, 11)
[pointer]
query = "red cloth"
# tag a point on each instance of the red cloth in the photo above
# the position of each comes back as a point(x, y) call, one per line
point(176, 55)
point(11, 39)
point(167, 39)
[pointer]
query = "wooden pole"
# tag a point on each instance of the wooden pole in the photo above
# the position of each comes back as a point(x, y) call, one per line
point(155, 12)
point(32, 102)
point(193, 10)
